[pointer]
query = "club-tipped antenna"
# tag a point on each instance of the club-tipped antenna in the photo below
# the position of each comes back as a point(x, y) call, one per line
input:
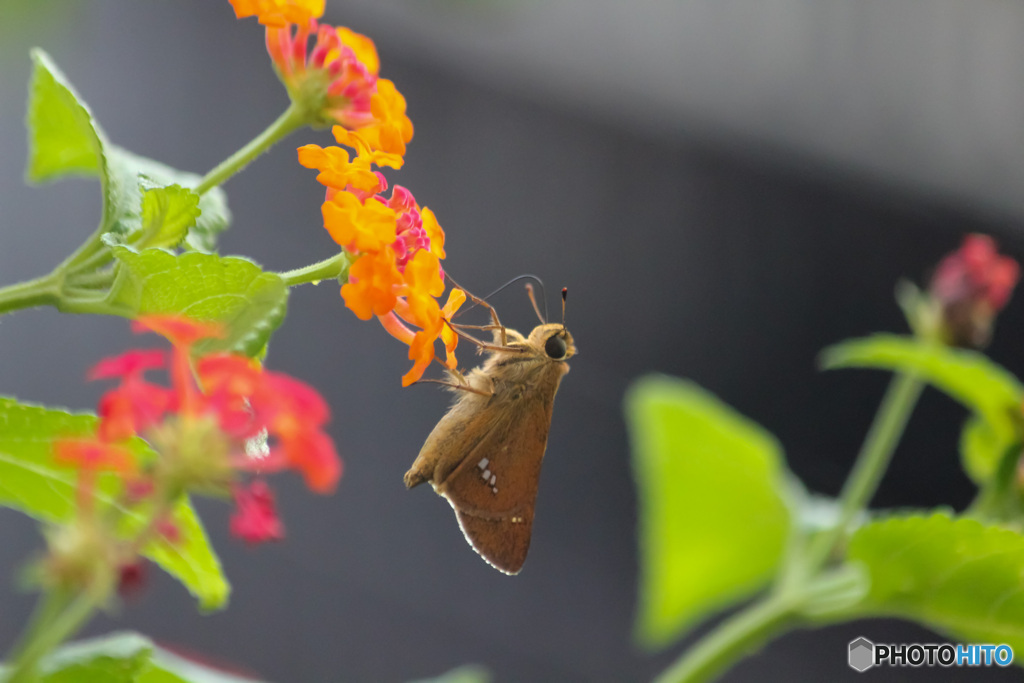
point(565, 293)
point(540, 283)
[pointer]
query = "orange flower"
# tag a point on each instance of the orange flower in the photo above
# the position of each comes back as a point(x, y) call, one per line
point(433, 319)
point(391, 129)
point(371, 285)
point(423, 283)
point(362, 227)
point(455, 300)
point(435, 235)
point(279, 13)
point(338, 172)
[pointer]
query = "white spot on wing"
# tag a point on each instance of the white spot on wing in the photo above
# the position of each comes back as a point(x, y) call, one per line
point(483, 463)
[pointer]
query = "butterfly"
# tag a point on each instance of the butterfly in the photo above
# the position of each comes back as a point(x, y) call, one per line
point(485, 454)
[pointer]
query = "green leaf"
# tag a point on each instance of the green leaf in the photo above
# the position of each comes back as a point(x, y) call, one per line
point(968, 376)
point(31, 482)
point(125, 657)
point(117, 658)
point(169, 667)
point(984, 387)
point(63, 139)
point(167, 214)
point(131, 175)
point(469, 673)
point(956, 576)
point(714, 505)
point(982, 446)
point(228, 289)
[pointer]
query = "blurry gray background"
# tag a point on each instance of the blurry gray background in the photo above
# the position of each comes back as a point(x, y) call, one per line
point(725, 187)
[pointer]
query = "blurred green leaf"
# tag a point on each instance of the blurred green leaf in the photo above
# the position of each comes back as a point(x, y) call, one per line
point(714, 509)
point(228, 289)
point(469, 673)
point(982, 446)
point(169, 667)
point(62, 136)
point(956, 576)
point(117, 658)
point(126, 658)
point(31, 482)
point(987, 389)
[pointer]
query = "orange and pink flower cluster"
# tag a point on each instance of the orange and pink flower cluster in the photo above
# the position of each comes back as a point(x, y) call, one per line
point(396, 245)
point(202, 427)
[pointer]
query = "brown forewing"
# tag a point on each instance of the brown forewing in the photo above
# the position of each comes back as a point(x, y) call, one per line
point(494, 488)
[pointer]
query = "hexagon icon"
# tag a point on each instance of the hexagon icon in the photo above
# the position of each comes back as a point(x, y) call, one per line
point(862, 654)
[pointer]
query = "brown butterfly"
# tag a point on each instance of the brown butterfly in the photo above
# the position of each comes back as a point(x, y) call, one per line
point(484, 456)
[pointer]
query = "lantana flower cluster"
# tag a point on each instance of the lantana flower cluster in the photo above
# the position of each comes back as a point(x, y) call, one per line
point(970, 286)
point(221, 424)
point(396, 246)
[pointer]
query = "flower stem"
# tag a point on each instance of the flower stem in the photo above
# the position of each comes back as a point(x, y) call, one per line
point(329, 269)
point(292, 119)
point(56, 624)
point(42, 291)
point(872, 462)
point(739, 635)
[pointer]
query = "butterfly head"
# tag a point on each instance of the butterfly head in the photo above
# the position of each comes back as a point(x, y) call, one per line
point(554, 341)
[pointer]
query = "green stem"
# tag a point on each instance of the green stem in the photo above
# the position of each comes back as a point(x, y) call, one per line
point(328, 269)
point(49, 605)
point(52, 631)
point(292, 119)
point(42, 291)
point(739, 635)
point(872, 462)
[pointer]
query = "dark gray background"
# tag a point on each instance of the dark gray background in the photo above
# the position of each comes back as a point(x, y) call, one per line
point(690, 246)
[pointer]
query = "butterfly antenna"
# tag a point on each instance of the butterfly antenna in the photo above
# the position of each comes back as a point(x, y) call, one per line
point(477, 301)
point(565, 292)
point(533, 300)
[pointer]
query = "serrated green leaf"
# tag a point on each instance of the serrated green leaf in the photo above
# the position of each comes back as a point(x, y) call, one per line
point(469, 673)
point(228, 289)
point(714, 508)
point(167, 214)
point(63, 139)
point(984, 387)
point(956, 576)
point(131, 175)
point(31, 482)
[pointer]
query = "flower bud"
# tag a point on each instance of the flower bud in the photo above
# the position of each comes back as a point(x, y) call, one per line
point(969, 287)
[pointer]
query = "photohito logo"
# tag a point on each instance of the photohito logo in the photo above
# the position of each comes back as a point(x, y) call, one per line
point(863, 654)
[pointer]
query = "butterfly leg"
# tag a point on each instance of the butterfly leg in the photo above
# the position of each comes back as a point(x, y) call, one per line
point(482, 345)
point(500, 337)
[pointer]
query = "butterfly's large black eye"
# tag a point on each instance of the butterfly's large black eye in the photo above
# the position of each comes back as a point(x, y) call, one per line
point(555, 347)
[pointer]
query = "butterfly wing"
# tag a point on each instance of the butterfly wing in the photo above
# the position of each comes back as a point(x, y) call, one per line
point(494, 488)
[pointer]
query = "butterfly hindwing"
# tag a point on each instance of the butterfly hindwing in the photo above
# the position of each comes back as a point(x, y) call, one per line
point(494, 488)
